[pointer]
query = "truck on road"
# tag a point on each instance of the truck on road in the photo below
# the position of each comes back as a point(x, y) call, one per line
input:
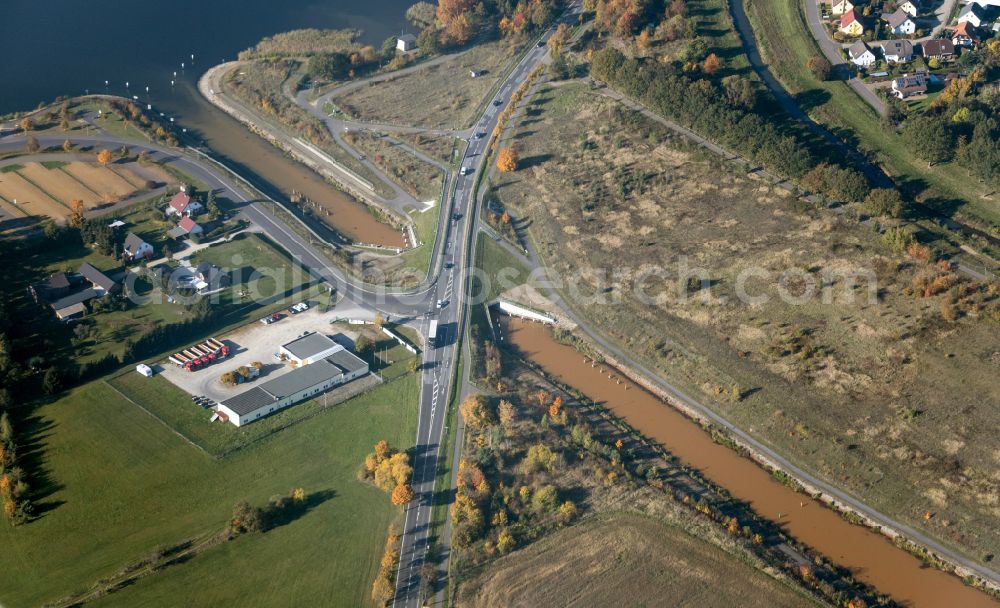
point(432, 334)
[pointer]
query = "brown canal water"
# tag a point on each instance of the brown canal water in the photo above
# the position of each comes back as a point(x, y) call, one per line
point(870, 556)
point(271, 170)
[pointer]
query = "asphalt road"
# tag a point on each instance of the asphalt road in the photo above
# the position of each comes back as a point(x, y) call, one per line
point(439, 362)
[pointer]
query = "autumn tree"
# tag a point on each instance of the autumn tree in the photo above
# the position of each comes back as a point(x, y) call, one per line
point(711, 65)
point(505, 542)
point(567, 512)
point(545, 499)
point(456, 20)
point(104, 156)
point(31, 145)
point(540, 458)
point(507, 160)
point(402, 494)
point(76, 213)
point(67, 146)
point(25, 124)
point(475, 411)
point(507, 413)
point(378, 321)
point(246, 518)
point(819, 66)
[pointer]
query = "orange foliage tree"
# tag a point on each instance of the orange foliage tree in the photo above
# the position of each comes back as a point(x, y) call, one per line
point(712, 64)
point(507, 160)
point(104, 156)
point(402, 494)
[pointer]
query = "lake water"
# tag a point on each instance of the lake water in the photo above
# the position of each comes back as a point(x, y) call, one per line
point(68, 47)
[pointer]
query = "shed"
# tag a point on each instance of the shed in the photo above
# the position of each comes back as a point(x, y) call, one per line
point(406, 43)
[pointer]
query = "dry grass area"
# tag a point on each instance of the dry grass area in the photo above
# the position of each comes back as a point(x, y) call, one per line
point(49, 189)
point(602, 561)
point(894, 398)
point(438, 147)
point(437, 96)
point(422, 180)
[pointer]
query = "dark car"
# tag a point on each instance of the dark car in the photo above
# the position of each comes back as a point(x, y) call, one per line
point(498, 102)
point(541, 43)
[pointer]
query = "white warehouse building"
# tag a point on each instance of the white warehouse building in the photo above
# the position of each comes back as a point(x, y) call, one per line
point(309, 348)
point(318, 374)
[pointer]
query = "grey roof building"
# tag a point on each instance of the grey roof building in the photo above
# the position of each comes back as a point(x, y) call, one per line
point(97, 278)
point(309, 348)
point(298, 384)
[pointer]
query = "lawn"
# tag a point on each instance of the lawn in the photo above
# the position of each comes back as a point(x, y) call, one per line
point(786, 43)
point(255, 265)
point(888, 400)
point(114, 484)
point(438, 95)
point(500, 270)
point(602, 560)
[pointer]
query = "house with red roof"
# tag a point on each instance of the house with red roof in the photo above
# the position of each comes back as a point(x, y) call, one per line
point(183, 205)
point(965, 34)
point(186, 227)
point(851, 24)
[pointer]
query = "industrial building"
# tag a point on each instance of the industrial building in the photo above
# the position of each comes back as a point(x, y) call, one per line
point(321, 365)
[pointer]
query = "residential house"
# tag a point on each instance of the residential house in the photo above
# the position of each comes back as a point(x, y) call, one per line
point(900, 23)
point(972, 13)
point(101, 282)
point(406, 43)
point(861, 54)
point(897, 51)
point(851, 24)
point(986, 3)
point(909, 7)
point(839, 7)
point(186, 227)
point(941, 49)
point(136, 248)
point(210, 278)
point(965, 34)
point(908, 86)
point(183, 205)
point(51, 289)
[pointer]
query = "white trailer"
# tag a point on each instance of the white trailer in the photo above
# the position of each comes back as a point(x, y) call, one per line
point(432, 333)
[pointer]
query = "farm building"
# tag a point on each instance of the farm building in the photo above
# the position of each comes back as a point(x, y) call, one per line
point(340, 367)
point(308, 349)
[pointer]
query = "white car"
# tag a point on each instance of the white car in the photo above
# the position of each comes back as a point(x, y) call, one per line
point(464, 171)
point(440, 303)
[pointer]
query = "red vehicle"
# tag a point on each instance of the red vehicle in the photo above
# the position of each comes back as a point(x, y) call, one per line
point(198, 356)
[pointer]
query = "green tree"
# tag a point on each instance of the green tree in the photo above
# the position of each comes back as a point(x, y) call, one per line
point(422, 15)
point(246, 518)
point(328, 66)
point(51, 381)
point(364, 345)
point(884, 201)
point(930, 138)
point(545, 499)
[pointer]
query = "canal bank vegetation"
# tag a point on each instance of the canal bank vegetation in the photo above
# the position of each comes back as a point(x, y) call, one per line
point(546, 474)
point(881, 392)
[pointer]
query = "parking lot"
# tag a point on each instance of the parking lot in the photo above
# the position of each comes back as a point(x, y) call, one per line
point(257, 342)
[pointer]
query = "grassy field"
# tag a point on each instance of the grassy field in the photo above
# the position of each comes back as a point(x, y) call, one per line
point(439, 147)
point(256, 266)
point(437, 96)
point(601, 561)
point(786, 43)
point(501, 271)
point(114, 484)
point(888, 398)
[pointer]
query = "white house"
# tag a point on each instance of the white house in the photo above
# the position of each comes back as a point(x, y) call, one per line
point(909, 85)
point(861, 54)
point(136, 248)
point(900, 23)
point(909, 7)
point(308, 349)
point(302, 383)
point(897, 51)
point(184, 205)
point(406, 43)
point(973, 13)
point(839, 7)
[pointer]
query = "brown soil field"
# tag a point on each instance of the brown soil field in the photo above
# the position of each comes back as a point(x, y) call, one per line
point(624, 560)
point(100, 179)
point(29, 198)
point(60, 184)
point(888, 392)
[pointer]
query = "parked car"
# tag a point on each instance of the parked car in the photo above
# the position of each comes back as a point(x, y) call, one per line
point(271, 318)
point(300, 307)
point(464, 171)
